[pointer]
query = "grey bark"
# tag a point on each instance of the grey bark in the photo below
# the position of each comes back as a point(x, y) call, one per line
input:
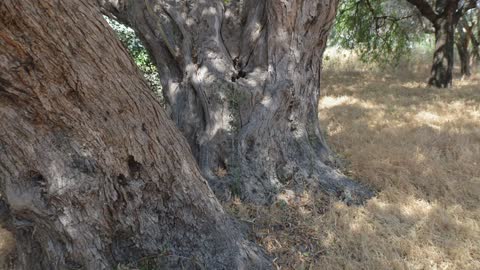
point(242, 80)
point(92, 170)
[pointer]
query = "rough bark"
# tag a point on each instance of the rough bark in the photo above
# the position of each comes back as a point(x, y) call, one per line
point(93, 172)
point(242, 79)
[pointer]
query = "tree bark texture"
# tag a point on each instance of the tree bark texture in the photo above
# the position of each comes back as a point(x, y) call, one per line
point(93, 171)
point(242, 80)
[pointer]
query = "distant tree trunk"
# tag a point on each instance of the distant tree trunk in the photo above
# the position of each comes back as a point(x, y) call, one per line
point(464, 32)
point(242, 79)
point(93, 172)
point(444, 18)
point(444, 24)
point(475, 37)
point(475, 55)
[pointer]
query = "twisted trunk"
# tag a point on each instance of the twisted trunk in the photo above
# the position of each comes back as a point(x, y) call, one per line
point(93, 172)
point(242, 80)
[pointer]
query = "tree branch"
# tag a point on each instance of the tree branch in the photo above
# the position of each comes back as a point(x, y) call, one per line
point(466, 6)
point(424, 7)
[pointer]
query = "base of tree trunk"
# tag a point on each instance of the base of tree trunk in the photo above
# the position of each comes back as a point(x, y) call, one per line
point(243, 84)
point(287, 154)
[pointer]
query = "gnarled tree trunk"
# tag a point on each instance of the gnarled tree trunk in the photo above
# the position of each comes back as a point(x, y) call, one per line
point(93, 172)
point(242, 80)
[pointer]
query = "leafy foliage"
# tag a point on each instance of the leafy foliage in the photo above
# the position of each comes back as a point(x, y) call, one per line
point(380, 31)
point(139, 54)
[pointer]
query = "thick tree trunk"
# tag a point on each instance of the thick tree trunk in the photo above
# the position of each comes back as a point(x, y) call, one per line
point(93, 172)
point(442, 67)
point(242, 79)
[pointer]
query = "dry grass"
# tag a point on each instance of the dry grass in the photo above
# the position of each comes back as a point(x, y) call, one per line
point(420, 147)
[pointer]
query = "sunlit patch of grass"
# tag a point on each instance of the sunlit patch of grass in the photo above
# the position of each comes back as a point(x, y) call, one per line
point(419, 146)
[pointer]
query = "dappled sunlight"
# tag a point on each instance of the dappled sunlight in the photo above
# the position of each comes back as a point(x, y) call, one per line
point(330, 102)
point(413, 85)
point(423, 156)
point(419, 147)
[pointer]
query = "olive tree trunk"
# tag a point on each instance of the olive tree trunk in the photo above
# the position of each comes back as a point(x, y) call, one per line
point(444, 24)
point(242, 81)
point(442, 67)
point(463, 41)
point(444, 17)
point(465, 60)
point(92, 170)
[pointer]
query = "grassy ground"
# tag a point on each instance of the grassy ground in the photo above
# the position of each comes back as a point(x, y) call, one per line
point(419, 147)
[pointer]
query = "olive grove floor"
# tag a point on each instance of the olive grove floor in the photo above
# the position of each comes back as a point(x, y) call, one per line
point(420, 147)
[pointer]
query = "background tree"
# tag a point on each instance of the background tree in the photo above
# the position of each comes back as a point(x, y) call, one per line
point(242, 82)
point(385, 30)
point(379, 31)
point(467, 45)
point(444, 16)
point(93, 171)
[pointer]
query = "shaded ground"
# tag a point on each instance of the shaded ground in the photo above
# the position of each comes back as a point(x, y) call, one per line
point(419, 147)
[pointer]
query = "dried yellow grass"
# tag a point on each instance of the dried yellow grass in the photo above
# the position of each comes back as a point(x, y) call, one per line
point(419, 147)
